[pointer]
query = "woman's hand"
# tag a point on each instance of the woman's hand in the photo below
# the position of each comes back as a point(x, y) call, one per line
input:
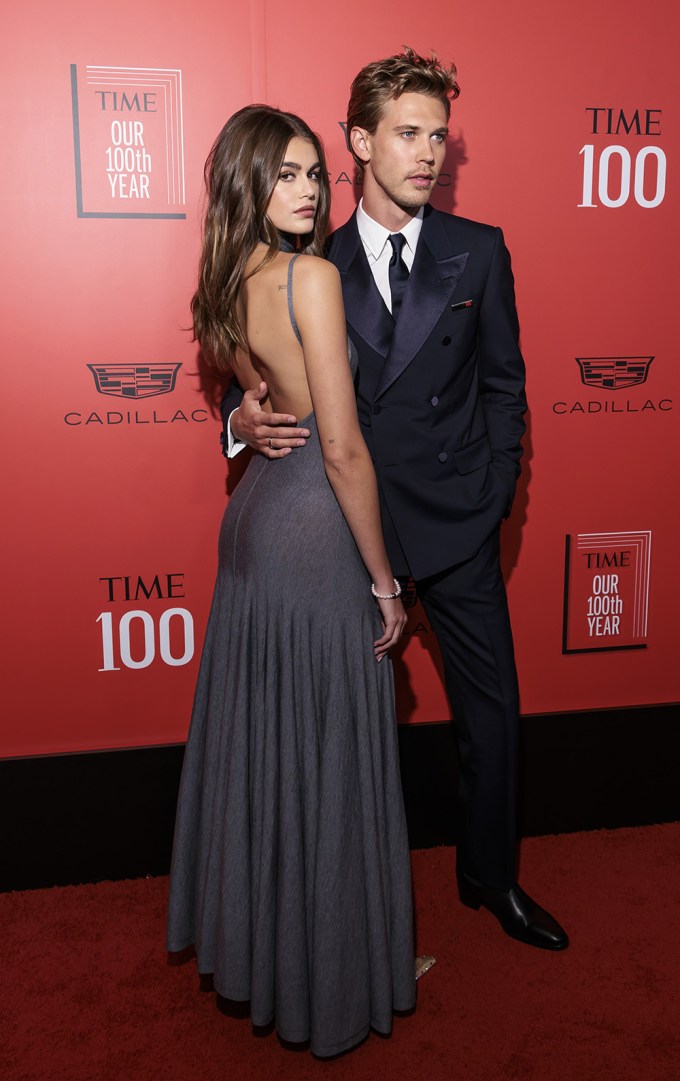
point(394, 620)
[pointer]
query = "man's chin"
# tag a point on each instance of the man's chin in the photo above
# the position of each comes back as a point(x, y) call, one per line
point(413, 200)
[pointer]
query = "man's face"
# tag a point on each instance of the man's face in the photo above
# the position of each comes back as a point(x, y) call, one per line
point(405, 154)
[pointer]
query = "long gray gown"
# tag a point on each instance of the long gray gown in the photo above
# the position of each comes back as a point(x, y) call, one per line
point(290, 868)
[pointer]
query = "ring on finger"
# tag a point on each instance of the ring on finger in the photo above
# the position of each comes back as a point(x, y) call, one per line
point(271, 445)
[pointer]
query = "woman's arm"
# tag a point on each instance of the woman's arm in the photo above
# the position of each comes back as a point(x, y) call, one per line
point(317, 300)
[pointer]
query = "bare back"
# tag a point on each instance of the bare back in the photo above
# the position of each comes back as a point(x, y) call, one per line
point(275, 355)
point(301, 381)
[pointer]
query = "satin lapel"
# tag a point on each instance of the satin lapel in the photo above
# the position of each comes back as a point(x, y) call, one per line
point(431, 284)
point(364, 307)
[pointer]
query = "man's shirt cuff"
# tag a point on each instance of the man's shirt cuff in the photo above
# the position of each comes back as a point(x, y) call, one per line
point(233, 446)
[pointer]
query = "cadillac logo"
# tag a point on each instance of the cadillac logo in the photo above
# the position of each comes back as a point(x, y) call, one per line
point(613, 373)
point(134, 381)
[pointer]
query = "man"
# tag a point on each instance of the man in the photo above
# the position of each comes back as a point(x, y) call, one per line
point(430, 307)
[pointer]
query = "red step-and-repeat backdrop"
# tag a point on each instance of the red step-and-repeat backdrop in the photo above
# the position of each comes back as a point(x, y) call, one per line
point(566, 134)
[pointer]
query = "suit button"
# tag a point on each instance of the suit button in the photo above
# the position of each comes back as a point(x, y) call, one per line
point(446, 340)
point(434, 401)
point(443, 456)
point(376, 409)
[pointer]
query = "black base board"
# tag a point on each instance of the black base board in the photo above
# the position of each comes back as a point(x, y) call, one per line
point(86, 817)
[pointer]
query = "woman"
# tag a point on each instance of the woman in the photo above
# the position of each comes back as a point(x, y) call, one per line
point(290, 865)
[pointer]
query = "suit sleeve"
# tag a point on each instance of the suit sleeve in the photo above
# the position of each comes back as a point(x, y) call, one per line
point(231, 401)
point(501, 368)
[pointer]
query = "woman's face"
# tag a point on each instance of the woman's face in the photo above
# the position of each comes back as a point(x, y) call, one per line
point(295, 199)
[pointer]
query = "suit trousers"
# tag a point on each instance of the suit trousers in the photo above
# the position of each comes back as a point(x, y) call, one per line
point(468, 609)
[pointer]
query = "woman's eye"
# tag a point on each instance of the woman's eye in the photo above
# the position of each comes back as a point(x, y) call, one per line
point(286, 176)
point(314, 176)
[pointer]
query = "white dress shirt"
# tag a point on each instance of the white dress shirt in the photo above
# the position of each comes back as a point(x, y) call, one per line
point(374, 238)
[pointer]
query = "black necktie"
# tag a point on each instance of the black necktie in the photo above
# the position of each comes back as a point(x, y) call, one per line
point(398, 272)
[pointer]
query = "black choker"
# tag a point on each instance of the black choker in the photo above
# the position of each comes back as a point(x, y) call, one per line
point(286, 242)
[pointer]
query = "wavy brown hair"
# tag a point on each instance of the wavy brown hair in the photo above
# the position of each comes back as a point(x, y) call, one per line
point(383, 80)
point(240, 175)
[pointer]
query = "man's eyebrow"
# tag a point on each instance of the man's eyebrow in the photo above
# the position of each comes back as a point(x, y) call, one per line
point(419, 127)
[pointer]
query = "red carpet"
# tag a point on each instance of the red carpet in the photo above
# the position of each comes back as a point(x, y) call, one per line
point(87, 994)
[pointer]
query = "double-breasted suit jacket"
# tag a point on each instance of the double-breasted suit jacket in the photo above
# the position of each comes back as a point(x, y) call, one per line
point(441, 393)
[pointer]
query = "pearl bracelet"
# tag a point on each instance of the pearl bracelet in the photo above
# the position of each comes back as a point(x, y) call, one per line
point(387, 596)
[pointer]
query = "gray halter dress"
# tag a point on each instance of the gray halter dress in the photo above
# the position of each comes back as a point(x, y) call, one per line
point(290, 868)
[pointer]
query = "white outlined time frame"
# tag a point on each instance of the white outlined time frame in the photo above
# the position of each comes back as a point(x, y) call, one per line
point(640, 543)
point(169, 82)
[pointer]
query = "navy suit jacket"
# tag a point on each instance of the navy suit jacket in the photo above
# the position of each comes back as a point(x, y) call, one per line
point(441, 393)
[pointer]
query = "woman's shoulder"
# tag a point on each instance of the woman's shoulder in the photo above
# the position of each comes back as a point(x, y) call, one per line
point(316, 275)
point(316, 265)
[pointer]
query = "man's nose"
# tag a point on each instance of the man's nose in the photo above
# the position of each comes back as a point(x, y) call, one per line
point(425, 151)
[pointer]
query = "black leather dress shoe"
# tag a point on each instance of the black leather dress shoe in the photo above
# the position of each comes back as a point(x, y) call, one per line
point(519, 916)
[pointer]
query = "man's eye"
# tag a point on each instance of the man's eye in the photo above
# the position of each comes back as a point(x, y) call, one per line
point(438, 138)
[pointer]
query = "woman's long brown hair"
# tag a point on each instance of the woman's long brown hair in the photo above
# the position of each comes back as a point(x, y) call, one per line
point(240, 175)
